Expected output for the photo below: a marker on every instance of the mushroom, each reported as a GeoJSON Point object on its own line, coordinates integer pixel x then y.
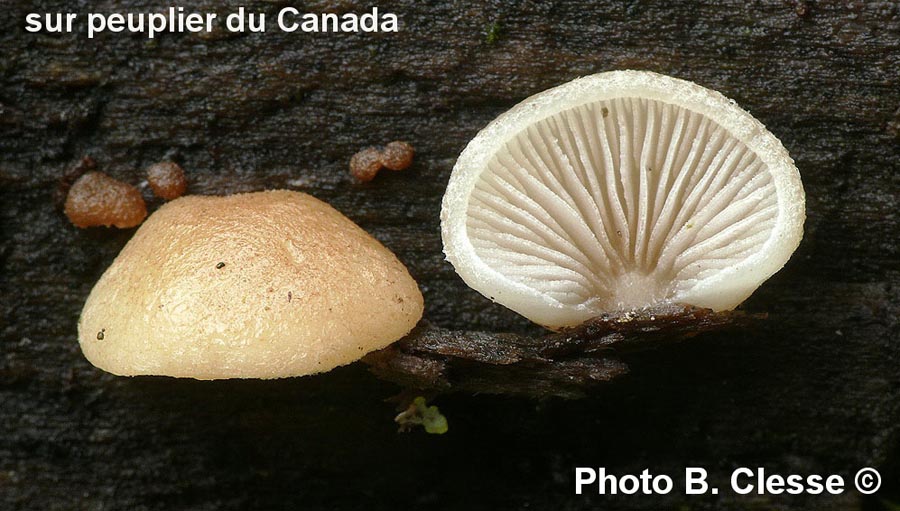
{"type": "Point", "coordinates": [397, 155]}
{"type": "Point", "coordinates": [167, 180]}
{"type": "Point", "coordinates": [618, 191]}
{"type": "Point", "coordinates": [256, 285]}
{"type": "Point", "coordinates": [366, 164]}
{"type": "Point", "coordinates": [96, 199]}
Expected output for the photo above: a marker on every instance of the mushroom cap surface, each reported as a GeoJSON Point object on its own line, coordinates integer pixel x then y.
{"type": "Point", "coordinates": [256, 285]}
{"type": "Point", "coordinates": [621, 190]}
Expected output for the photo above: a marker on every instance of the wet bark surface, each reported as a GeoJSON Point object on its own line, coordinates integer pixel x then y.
{"type": "Point", "coordinates": [565, 364]}
{"type": "Point", "coordinates": [812, 388]}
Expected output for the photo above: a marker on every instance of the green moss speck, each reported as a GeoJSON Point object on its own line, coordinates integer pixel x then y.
{"type": "Point", "coordinates": [420, 414]}
{"type": "Point", "coordinates": [494, 31]}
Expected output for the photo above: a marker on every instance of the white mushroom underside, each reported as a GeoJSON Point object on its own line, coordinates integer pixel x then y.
{"type": "Point", "coordinates": [620, 203]}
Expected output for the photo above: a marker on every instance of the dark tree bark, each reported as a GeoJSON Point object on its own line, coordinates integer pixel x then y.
{"type": "Point", "coordinates": [566, 364]}
{"type": "Point", "coordinates": [813, 388]}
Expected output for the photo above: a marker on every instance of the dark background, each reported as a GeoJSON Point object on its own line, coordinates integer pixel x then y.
{"type": "Point", "coordinates": [815, 388]}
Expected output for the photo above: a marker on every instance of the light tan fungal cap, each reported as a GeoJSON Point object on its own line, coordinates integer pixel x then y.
{"type": "Point", "coordinates": [167, 180]}
{"type": "Point", "coordinates": [96, 199]}
{"type": "Point", "coordinates": [256, 285]}
{"type": "Point", "coordinates": [617, 191]}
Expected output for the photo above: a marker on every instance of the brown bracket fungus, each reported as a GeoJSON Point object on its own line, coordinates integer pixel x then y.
{"type": "Point", "coordinates": [256, 285]}
{"type": "Point", "coordinates": [618, 191]}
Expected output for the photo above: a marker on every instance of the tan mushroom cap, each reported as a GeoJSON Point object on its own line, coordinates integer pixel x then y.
{"type": "Point", "coordinates": [257, 285]}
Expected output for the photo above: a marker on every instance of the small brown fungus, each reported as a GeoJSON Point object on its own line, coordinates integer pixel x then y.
{"type": "Point", "coordinates": [71, 175]}
{"type": "Point", "coordinates": [96, 199]}
{"type": "Point", "coordinates": [364, 165]}
{"type": "Point", "coordinates": [167, 180]}
{"type": "Point", "coordinates": [397, 155]}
